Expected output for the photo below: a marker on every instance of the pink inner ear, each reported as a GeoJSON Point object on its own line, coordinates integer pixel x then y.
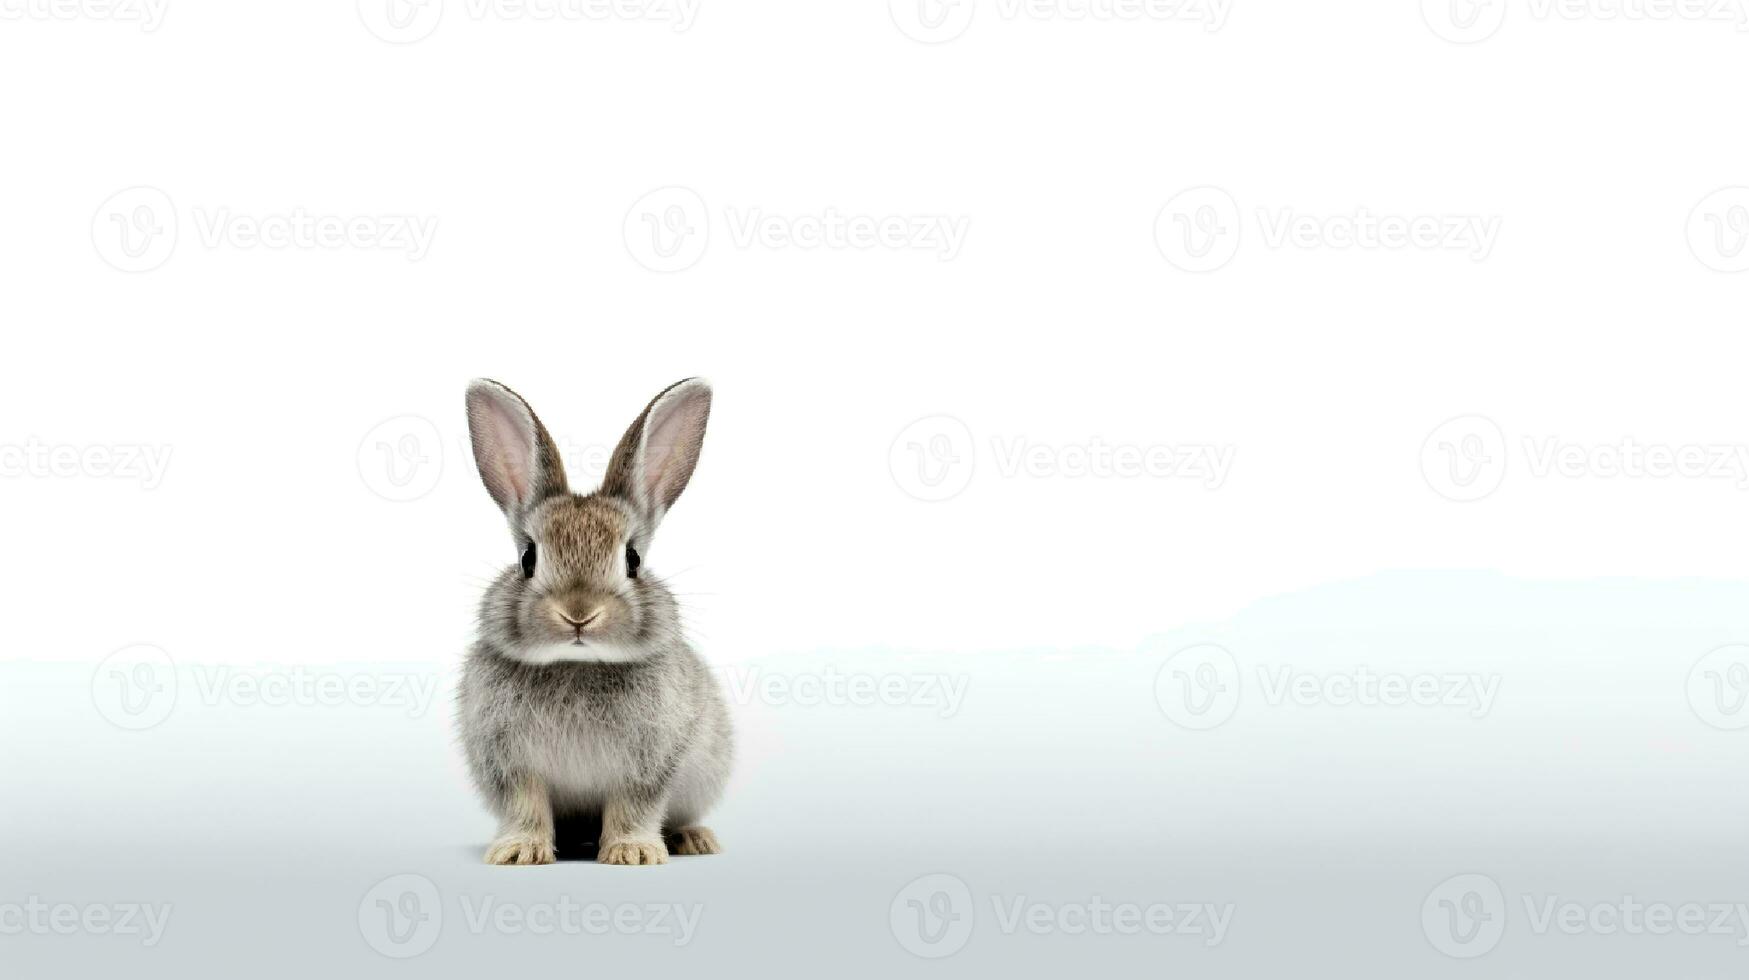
{"type": "Point", "coordinates": [676, 430]}
{"type": "Point", "coordinates": [507, 452]}
{"type": "Point", "coordinates": [656, 460]}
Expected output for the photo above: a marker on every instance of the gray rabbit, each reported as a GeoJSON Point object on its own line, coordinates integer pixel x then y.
{"type": "Point", "coordinates": [580, 701]}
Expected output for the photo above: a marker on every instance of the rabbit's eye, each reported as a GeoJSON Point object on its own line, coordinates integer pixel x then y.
{"type": "Point", "coordinates": [528, 561]}
{"type": "Point", "coordinates": [632, 561]}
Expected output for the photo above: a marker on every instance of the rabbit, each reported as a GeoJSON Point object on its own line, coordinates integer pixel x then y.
{"type": "Point", "coordinates": [580, 703]}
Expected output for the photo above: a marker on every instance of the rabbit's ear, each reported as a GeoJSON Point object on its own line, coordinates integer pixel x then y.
{"type": "Point", "coordinates": [655, 458]}
{"type": "Point", "coordinates": [518, 461]}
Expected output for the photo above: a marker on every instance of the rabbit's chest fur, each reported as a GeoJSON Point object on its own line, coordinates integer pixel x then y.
{"type": "Point", "coordinates": [585, 729]}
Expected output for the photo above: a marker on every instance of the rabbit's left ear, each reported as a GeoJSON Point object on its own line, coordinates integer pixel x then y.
{"type": "Point", "coordinates": [518, 460]}
{"type": "Point", "coordinates": [655, 458]}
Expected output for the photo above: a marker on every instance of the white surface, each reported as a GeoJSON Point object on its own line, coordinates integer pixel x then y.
{"type": "Point", "coordinates": [1316, 826]}
{"type": "Point", "coordinates": [1585, 335]}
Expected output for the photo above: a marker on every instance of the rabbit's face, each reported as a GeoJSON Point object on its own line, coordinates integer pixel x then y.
{"type": "Point", "coordinates": [580, 597]}
{"type": "Point", "coordinates": [578, 594]}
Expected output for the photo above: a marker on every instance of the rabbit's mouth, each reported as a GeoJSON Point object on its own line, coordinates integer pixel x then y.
{"type": "Point", "coordinates": [574, 651]}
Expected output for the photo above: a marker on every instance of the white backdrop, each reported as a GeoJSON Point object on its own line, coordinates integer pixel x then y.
{"type": "Point", "coordinates": [1042, 327]}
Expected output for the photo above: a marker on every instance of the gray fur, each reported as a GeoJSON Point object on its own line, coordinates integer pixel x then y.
{"type": "Point", "coordinates": [616, 721]}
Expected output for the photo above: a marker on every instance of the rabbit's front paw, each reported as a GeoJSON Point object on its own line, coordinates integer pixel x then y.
{"type": "Point", "coordinates": [521, 849]}
{"type": "Point", "coordinates": [695, 840]}
{"type": "Point", "coordinates": [633, 852]}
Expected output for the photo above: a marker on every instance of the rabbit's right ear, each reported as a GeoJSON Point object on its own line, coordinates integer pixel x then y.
{"type": "Point", "coordinates": [518, 460]}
